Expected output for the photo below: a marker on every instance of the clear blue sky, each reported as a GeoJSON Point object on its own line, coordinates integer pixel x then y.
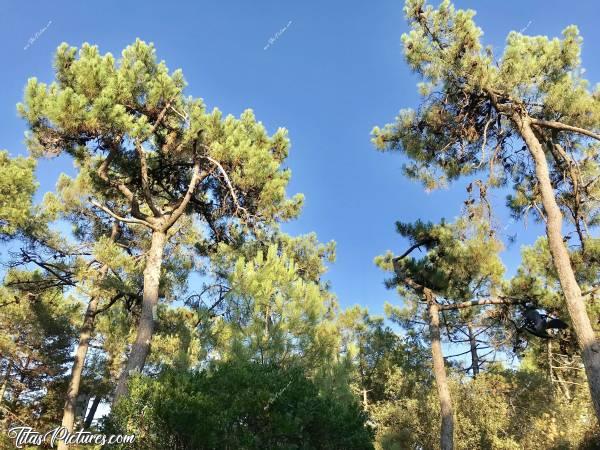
{"type": "Point", "coordinates": [334, 73]}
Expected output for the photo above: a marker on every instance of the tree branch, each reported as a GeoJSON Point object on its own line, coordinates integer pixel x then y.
{"type": "Point", "coordinates": [564, 127]}
{"type": "Point", "coordinates": [144, 175]}
{"type": "Point", "coordinates": [177, 212]}
{"type": "Point", "coordinates": [228, 182]}
{"type": "Point", "coordinates": [103, 174]}
{"type": "Point", "coordinates": [482, 302]}
{"type": "Point", "coordinates": [119, 218]}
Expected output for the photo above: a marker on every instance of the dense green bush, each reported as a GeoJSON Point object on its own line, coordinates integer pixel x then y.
{"type": "Point", "coordinates": [237, 406]}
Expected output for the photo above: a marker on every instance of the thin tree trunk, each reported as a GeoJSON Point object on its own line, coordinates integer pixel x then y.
{"type": "Point", "coordinates": [562, 263]}
{"type": "Point", "coordinates": [474, 355]}
{"type": "Point", "coordinates": [439, 372]}
{"type": "Point", "coordinates": [92, 412]}
{"type": "Point", "coordinates": [141, 347]}
{"type": "Point", "coordinates": [85, 335]}
{"type": "Point", "coordinates": [5, 382]}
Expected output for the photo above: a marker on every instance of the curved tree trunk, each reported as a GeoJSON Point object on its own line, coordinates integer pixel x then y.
{"type": "Point", "coordinates": [439, 372]}
{"type": "Point", "coordinates": [590, 348]}
{"type": "Point", "coordinates": [141, 347]}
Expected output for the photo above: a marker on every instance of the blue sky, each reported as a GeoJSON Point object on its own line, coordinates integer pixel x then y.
{"type": "Point", "coordinates": [329, 77]}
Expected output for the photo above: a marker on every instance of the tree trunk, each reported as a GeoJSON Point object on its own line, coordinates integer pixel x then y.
{"type": "Point", "coordinates": [562, 263]}
{"type": "Point", "coordinates": [5, 382]}
{"type": "Point", "coordinates": [439, 372]}
{"type": "Point", "coordinates": [141, 347]}
{"type": "Point", "coordinates": [92, 412]}
{"type": "Point", "coordinates": [85, 335]}
{"type": "Point", "coordinates": [474, 355]}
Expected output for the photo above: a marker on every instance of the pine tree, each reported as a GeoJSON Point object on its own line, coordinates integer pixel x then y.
{"type": "Point", "coordinates": [271, 305]}
{"type": "Point", "coordinates": [154, 156]}
{"type": "Point", "coordinates": [461, 269]}
{"type": "Point", "coordinates": [508, 116]}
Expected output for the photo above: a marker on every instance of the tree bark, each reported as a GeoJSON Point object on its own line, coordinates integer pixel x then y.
{"type": "Point", "coordinates": [92, 412]}
{"type": "Point", "coordinates": [85, 335]}
{"type": "Point", "coordinates": [439, 373]}
{"type": "Point", "coordinates": [141, 347]}
{"type": "Point", "coordinates": [590, 348]}
{"type": "Point", "coordinates": [474, 355]}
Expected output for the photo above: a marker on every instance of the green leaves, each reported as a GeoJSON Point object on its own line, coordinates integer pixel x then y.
{"type": "Point", "coordinates": [238, 405]}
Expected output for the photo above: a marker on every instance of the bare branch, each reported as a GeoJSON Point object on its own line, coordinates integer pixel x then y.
{"type": "Point", "coordinates": [119, 218]}
{"type": "Point", "coordinates": [564, 127]}
{"type": "Point", "coordinates": [145, 185]}
{"type": "Point", "coordinates": [103, 174]}
{"type": "Point", "coordinates": [482, 302]}
{"type": "Point", "coordinates": [229, 185]}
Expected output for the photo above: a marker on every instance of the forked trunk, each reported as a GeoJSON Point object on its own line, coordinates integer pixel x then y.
{"type": "Point", "coordinates": [439, 373]}
{"type": "Point", "coordinates": [141, 347]}
{"type": "Point", "coordinates": [590, 348]}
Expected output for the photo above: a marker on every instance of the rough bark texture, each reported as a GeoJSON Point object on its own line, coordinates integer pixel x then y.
{"type": "Point", "coordinates": [439, 372]}
{"type": "Point", "coordinates": [590, 348]}
{"type": "Point", "coordinates": [141, 347]}
{"type": "Point", "coordinates": [474, 355]}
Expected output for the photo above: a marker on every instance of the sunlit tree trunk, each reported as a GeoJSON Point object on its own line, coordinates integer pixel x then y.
{"type": "Point", "coordinates": [141, 347]}
{"type": "Point", "coordinates": [439, 373]}
{"type": "Point", "coordinates": [590, 348]}
{"type": "Point", "coordinates": [85, 335]}
{"type": "Point", "coordinates": [5, 382]}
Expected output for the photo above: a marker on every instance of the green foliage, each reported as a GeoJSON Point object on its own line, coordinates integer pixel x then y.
{"type": "Point", "coordinates": [131, 115]}
{"type": "Point", "coordinates": [17, 186]}
{"type": "Point", "coordinates": [273, 306]}
{"type": "Point", "coordinates": [464, 124]}
{"type": "Point", "coordinates": [500, 409]}
{"type": "Point", "coordinates": [462, 258]}
{"type": "Point", "coordinates": [241, 406]}
{"type": "Point", "coordinates": [35, 344]}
